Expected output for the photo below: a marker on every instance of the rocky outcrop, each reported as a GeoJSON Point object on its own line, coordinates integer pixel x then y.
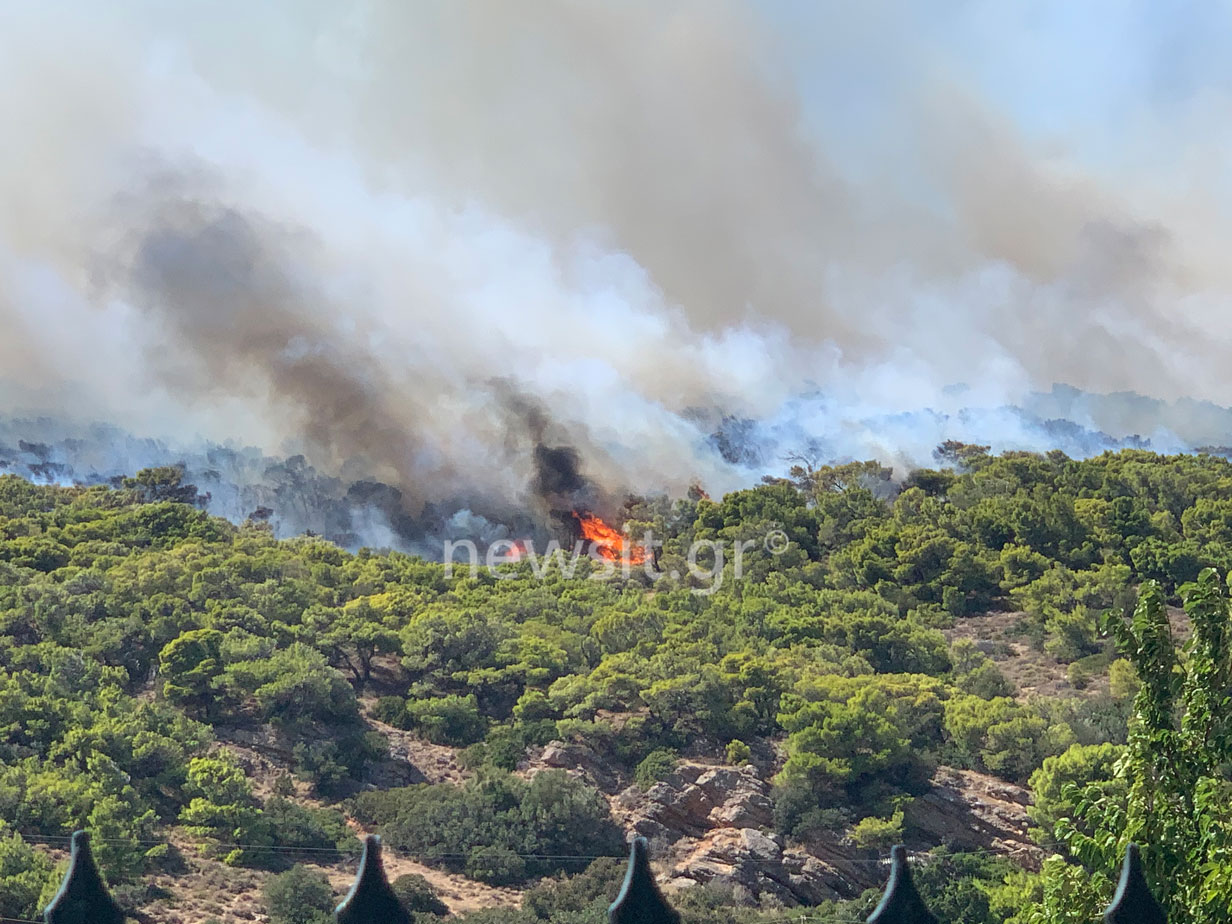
{"type": "Point", "coordinates": [578, 760]}
{"type": "Point", "coordinates": [411, 759]}
{"type": "Point", "coordinates": [696, 798]}
{"type": "Point", "coordinates": [715, 823]}
{"type": "Point", "coordinates": [759, 868]}
{"type": "Point", "coordinates": [965, 810]}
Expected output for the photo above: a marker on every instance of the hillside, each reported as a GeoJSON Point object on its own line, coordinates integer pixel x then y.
{"type": "Point", "coordinates": [887, 661]}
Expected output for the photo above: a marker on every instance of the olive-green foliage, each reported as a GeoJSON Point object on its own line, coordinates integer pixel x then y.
{"type": "Point", "coordinates": [1168, 789]}
{"type": "Point", "coordinates": [1123, 680]}
{"type": "Point", "coordinates": [190, 664]}
{"type": "Point", "coordinates": [738, 752]}
{"type": "Point", "coordinates": [224, 810]}
{"type": "Point", "coordinates": [801, 811]}
{"type": "Point", "coordinates": [417, 895]}
{"type": "Point", "coordinates": [332, 763]}
{"type": "Point", "coordinates": [861, 741]}
{"type": "Point", "coordinates": [506, 745]}
{"type": "Point", "coordinates": [299, 896]}
{"type": "Point", "coordinates": [497, 827]}
{"type": "Point", "coordinates": [1053, 784]}
{"type": "Point", "coordinates": [976, 673]}
{"type": "Point", "coordinates": [294, 825]}
{"type": "Point", "coordinates": [133, 625]}
{"type": "Point", "coordinates": [714, 903]}
{"type": "Point", "coordinates": [878, 832]}
{"type": "Point", "coordinates": [655, 766]}
{"type": "Point", "coordinates": [1002, 736]}
{"type": "Point", "coordinates": [24, 875]}
{"type": "Point", "coordinates": [591, 890]}
{"type": "Point", "coordinates": [960, 886]}
{"type": "Point", "coordinates": [448, 719]}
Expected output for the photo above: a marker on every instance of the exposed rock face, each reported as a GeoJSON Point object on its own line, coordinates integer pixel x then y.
{"type": "Point", "coordinates": [412, 760]}
{"type": "Point", "coordinates": [758, 866]}
{"type": "Point", "coordinates": [715, 823]}
{"type": "Point", "coordinates": [696, 798]}
{"type": "Point", "coordinates": [579, 760]}
{"type": "Point", "coordinates": [966, 810]}
{"type": "Point", "coordinates": [711, 823]}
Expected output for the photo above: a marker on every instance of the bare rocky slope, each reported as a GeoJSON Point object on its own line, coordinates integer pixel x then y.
{"type": "Point", "coordinates": [711, 822]}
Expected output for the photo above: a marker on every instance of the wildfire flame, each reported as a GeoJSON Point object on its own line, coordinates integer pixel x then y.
{"type": "Point", "coordinates": [608, 542]}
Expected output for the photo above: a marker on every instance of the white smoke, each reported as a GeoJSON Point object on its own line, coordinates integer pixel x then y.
{"type": "Point", "coordinates": [371, 232]}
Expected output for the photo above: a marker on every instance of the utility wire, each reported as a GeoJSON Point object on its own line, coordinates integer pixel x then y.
{"type": "Point", "coordinates": [915, 855]}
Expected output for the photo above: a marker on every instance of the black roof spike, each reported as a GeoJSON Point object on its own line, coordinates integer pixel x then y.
{"type": "Point", "coordinates": [82, 897]}
{"type": "Point", "coordinates": [1134, 902]}
{"type": "Point", "coordinates": [371, 900]}
{"type": "Point", "coordinates": [640, 901]}
{"type": "Point", "coordinates": [901, 903]}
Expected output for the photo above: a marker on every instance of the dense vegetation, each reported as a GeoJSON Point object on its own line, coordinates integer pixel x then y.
{"type": "Point", "coordinates": [137, 634]}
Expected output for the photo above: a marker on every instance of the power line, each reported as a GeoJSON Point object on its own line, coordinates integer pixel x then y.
{"type": "Point", "coordinates": [916, 855]}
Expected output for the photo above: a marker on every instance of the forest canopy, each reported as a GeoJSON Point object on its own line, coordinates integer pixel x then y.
{"type": "Point", "coordinates": [139, 637]}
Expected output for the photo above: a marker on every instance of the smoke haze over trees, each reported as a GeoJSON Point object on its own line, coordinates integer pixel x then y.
{"type": "Point", "coordinates": [375, 236]}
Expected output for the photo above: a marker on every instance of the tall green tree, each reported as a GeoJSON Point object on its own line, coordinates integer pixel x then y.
{"type": "Point", "coordinates": [1175, 770]}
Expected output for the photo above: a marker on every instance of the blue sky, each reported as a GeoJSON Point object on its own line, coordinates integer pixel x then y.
{"type": "Point", "coordinates": [1095, 80]}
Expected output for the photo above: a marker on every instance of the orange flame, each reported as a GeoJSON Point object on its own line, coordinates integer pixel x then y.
{"type": "Point", "coordinates": [608, 543]}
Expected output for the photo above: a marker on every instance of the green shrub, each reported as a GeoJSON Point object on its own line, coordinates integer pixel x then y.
{"type": "Point", "coordinates": [501, 750]}
{"type": "Point", "coordinates": [591, 890]}
{"type": "Point", "coordinates": [330, 764]}
{"type": "Point", "coordinates": [1070, 635]}
{"type": "Point", "coordinates": [861, 741]}
{"type": "Point", "coordinates": [975, 672]}
{"type": "Point", "coordinates": [1078, 675]}
{"type": "Point", "coordinates": [417, 895]}
{"type": "Point", "coordinates": [985, 681]}
{"type": "Point", "coordinates": [299, 896]}
{"type": "Point", "coordinates": [656, 766]}
{"type": "Point", "coordinates": [505, 747]}
{"type": "Point", "coordinates": [958, 886]}
{"type": "Point", "coordinates": [224, 810]}
{"type": "Point", "coordinates": [392, 711]}
{"type": "Point", "coordinates": [1123, 680]}
{"type": "Point", "coordinates": [1002, 736]}
{"type": "Point", "coordinates": [295, 825]}
{"type": "Point", "coordinates": [878, 832]}
{"type": "Point", "coordinates": [483, 825]}
{"type": "Point", "coordinates": [24, 874]}
{"type": "Point", "coordinates": [1080, 765]}
{"type": "Point", "coordinates": [532, 706]}
{"type": "Point", "coordinates": [798, 813]}
{"type": "Point", "coordinates": [716, 902]}
{"type": "Point", "coordinates": [497, 864]}
{"type": "Point", "coordinates": [452, 720]}
{"type": "Point", "coordinates": [738, 752]}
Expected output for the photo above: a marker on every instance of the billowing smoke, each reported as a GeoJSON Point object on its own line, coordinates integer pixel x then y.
{"type": "Point", "coordinates": [472, 260]}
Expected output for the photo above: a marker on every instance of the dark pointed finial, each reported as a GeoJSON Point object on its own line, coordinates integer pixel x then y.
{"type": "Point", "coordinates": [371, 900]}
{"type": "Point", "coordinates": [83, 897]}
{"type": "Point", "coordinates": [901, 903]}
{"type": "Point", "coordinates": [640, 901]}
{"type": "Point", "coordinates": [1133, 902]}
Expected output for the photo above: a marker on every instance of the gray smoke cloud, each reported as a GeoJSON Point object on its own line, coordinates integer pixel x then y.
{"type": "Point", "coordinates": [377, 234]}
